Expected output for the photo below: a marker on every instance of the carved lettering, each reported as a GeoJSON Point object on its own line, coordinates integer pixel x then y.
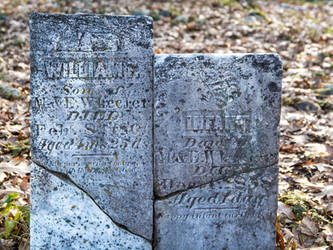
{"type": "Point", "coordinates": [227, 199]}
{"type": "Point", "coordinates": [224, 216]}
{"type": "Point", "coordinates": [198, 123]}
{"type": "Point", "coordinates": [92, 68]}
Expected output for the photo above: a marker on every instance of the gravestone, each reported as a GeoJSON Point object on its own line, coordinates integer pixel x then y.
{"type": "Point", "coordinates": [214, 151]}
{"type": "Point", "coordinates": [91, 106]}
{"type": "Point", "coordinates": [216, 143]}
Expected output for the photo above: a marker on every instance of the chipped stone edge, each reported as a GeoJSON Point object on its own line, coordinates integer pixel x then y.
{"type": "Point", "coordinates": [159, 58]}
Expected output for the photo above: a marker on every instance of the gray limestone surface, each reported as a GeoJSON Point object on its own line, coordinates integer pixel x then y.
{"type": "Point", "coordinates": [216, 142]}
{"type": "Point", "coordinates": [91, 106]}
{"type": "Point", "coordinates": [64, 217]}
{"type": "Point", "coordinates": [236, 213]}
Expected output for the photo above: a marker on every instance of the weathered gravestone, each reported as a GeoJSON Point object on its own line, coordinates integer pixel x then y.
{"type": "Point", "coordinates": [91, 106]}
{"type": "Point", "coordinates": [216, 142]}
{"type": "Point", "coordinates": [216, 134]}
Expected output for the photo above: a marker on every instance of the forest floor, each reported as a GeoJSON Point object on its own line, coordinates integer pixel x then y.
{"type": "Point", "coordinates": [301, 33]}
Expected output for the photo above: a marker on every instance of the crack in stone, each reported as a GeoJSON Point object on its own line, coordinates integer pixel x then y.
{"type": "Point", "coordinates": [165, 197]}
{"type": "Point", "coordinates": [68, 180]}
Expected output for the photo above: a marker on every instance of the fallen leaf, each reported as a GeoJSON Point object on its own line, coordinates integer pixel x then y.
{"type": "Point", "coordinates": [24, 184]}
{"type": "Point", "coordinates": [18, 159]}
{"type": "Point", "coordinates": [288, 148]}
{"type": "Point", "coordinates": [14, 181]}
{"type": "Point", "coordinates": [284, 209]}
{"type": "Point", "coordinates": [308, 227]}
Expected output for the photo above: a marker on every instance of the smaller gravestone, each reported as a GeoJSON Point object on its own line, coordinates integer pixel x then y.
{"type": "Point", "coordinates": [216, 143]}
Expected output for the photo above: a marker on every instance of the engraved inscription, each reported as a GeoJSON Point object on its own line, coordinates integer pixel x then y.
{"type": "Point", "coordinates": [87, 108]}
{"type": "Point", "coordinates": [94, 114]}
{"type": "Point", "coordinates": [91, 78]}
{"type": "Point", "coordinates": [228, 199]}
{"type": "Point", "coordinates": [225, 216]}
{"type": "Point", "coordinates": [94, 102]}
{"type": "Point", "coordinates": [204, 122]}
{"type": "Point", "coordinates": [92, 68]}
{"type": "Point", "coordinates": [99, 41]}
{"type": "Point", "coordinates": [89, 41]}
{"type": "Point", "coordinates": [215, 151]}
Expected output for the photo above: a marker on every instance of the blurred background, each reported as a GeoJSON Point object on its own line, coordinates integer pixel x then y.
{"type": "Point", "coordinates": [301, 32]}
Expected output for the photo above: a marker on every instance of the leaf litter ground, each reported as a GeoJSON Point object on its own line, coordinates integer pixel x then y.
{"type": "Point", "coordinates": [300, 32]}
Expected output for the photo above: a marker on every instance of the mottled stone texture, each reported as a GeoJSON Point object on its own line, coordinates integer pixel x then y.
{"type": "Point", "coordinates": [238, 213]}
{"type": "Point", "coordinates": [91, 106]}
{"type": "Point", "coordinates": [216, 142]}
{"type": "Point", "coordinates": [64, 217]}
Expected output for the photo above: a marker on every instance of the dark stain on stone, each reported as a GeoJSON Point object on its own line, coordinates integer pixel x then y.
{"type": "Point", "coordinates": [274, 87]}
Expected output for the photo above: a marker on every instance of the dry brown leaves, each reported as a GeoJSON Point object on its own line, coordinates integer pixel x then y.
{"type": "Point", "coordinates": [301, 34]}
